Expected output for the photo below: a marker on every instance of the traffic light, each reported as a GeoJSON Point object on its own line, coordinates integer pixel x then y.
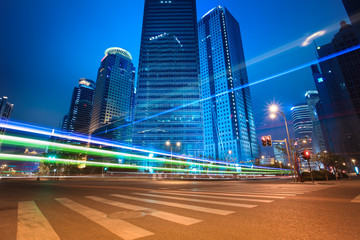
{"type": "Point", "coordinates": [105, 169]}
{"type": "Point", "coordinates": [306, 155]}
{"type": "Point", "coordinates": [263, 139]}
{"type": "Point", "coordinates": [268, 141]}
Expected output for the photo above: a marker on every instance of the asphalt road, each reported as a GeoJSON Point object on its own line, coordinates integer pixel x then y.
{"type": "Point", "coordinates": [147, 209]}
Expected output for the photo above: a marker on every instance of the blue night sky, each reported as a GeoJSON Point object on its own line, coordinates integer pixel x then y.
{"type": "Point", "coordinates": [46, 46]}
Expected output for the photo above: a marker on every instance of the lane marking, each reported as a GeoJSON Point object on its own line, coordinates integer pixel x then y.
{"type": "Point", "coordinates": [265, 192]}
{"type": "Point", "coordinates": [179, 205]}
{"type": "Point", "coordinates": [200, 200]}
{"type": "Point", "coordinates": [119, 227]}
{"type": "Point", "coordinates": [216, 197]}
{"type": "Point", "coordinates": [32, 224]}
{"type": "Point", "coordinates": [234, 194]}
{"type": "Point", "coordinates": [356, 199]}
{"type": "Point", "coordinates": [153, 212]}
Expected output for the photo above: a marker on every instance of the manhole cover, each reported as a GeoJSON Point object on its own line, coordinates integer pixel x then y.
{"type": "Point", "coordinates": [129, 214]}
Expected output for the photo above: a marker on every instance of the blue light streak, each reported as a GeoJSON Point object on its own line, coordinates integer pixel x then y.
{"type": "Point", "coordinates": [291, 70]}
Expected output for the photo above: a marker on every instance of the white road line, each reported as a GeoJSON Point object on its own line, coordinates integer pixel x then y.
{"type": "Point", "coordinates": [240, 195]}
{"type": "Point", "coordinates": [356, 199]}
{"type": "Point", "coordinates": [200, 200]}
{"type": "Point", "coordinates": [179, 205]}
{"type": "Point", "coordinates": [268, 192]}
{"type": "Point", "coordinates": [216, 197]}
{"type": "Point", "coordinates": [153, 212]}
{"type": "Point", "coordinates": [32, 224]}
{"type": "Point", "coordinates": [119, 227]}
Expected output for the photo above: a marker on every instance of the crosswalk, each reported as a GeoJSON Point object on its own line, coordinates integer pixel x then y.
{"type": "Point", "coordinates": [184, 208]}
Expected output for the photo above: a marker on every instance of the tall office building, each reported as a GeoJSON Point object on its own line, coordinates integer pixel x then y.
{"type": "Point", "coordinates": [301, 118]}
{"type": "Point", "coordinates": [312, 99]}
{"type": "Point", "coordinates": [228, 119]}
{"type": "Point", "coordinates": [114, 92]}
{"type": "Point", "coordinates": [168, 78]}
{"type": "Point", "coordinates": [338, 85]}
{"type": "Point", "coordinates": [6, 109]}
{"type": "Point", "coordinates": [79, 116]}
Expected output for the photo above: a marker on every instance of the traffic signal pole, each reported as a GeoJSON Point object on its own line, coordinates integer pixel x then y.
{"type": "Point", "coordinates": [287, 132]}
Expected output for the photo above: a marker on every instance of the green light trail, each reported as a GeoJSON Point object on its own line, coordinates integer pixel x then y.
{"type": "Point", "coordinates": [26, 142]}
{"type": "Point", "coordinates": [25, 158]}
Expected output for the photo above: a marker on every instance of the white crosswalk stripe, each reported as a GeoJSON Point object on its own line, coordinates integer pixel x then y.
{"type": "Point", "coordinates": [153, 212]}
{"type": "Point", "coordinates": [217, 197]}
{"type": "Point", "coordinates": [119, 227]}
{"type": "Point", "coordinates": [199, 200]}
{"type": "Point", "coordinates": [32, 224]}
{"type": "Point", "coordinates": [239, 195]}
{"type": "Point", "coordinates": [356, 199]}
{"type": "Point", "coordinates": [179, 205]}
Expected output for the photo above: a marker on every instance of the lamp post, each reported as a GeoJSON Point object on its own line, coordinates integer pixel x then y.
{"type": "Point", "coordinates": [168, 143]}
{"type": "Point", "coordinates": [274, 109]}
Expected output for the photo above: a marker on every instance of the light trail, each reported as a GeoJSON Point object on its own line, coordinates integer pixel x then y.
{"type": "Point", "coordinates": [83, 138]}
{"type": "Point", "coordinates": [99, 152]}
{"type": "Point", "coordinates": [246, 85]}
{"type": "Point", "coordinates": [24, 158]}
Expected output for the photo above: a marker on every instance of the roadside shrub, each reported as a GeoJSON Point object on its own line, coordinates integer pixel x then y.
{"type": "Point", "coordinates": [317, 175]}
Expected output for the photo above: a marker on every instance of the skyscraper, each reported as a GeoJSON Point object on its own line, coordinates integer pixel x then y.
{"type": "Point", "coordinates": [6, 109]}
{"type": "Point", "coordinates": [228, 120]}
{"type": "Point", "coordinates": [312, 99]}
{"type": "Point", "coordinates": [168, 78]}
{"type": "Point", "coordinates": [114, 92]}
{"type": "Point", "coordinates": [79, 116]}
{"type": "Point", "coordinates": [301, 118]}
{"type": "Point", "coordinates": [338, 87]}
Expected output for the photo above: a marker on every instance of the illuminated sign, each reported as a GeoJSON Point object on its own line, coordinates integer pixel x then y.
{"type": "Point", "coordinates": [320, 79]}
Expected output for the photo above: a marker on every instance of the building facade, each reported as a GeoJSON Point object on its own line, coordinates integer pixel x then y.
{"type": "Point", "coordinates": [318, 143]}
{"type": "Point", "coordinates": [279, 154]}
{"type": "Point", "coordinates": [302, 123]}
{"type": "Point", "coordinates": [79, 116]}
{"type": "Point", "coordinates": [228, 119]}
{"type": "Point", "coordinates": [168, 78]}
{"type": "Point", "coordinates": [114, 92]}
{"type": "Point", "coordinates": [338, 86]}
{"type": "Point", "coordinates": [6, 109]}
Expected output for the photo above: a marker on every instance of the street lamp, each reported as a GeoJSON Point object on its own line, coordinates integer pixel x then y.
{"type": "Point", "coordinates": [168, 143]}
{"type": "Point", "coordinates": [274, 110]}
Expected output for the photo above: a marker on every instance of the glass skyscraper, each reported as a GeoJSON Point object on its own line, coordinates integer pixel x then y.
{"type": "Point", "coordinates": [229, 128]}
{"type": "Point", "coordinates": [114, 92]}
{"type": "Point", "coordinates": [302, 121]}
{"type": "Point", "coordinates": [79, 116]}
{"type": "Point", "coordinates": [168, 78]}
{"type": "Point", "coordinates": [6, 109]}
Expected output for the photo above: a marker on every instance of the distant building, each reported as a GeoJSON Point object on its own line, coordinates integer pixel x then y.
{"type": "Point", "coordinates": [168, 78]}
{"type": "Point", "coordinates": [338, 85]}
{"type": "Point", "coordinates": [280, 156]}
{"type": "Point", "coordinates": [318, 143]}
{"type": "Point", "coordinates": [228, 119]}
{"type": "Point", "coordinates": [267, 161]}
{"type": "Point", "coordinates": [79, 116]}
{"type": "Point", "coordinates": [64, 123]}
{"type": "Point", "coordinates": [301, 118]}
{"type": "Point", "coordinates": [6, 109]}
{"type": "Point", "coordinates": [114, 92]}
